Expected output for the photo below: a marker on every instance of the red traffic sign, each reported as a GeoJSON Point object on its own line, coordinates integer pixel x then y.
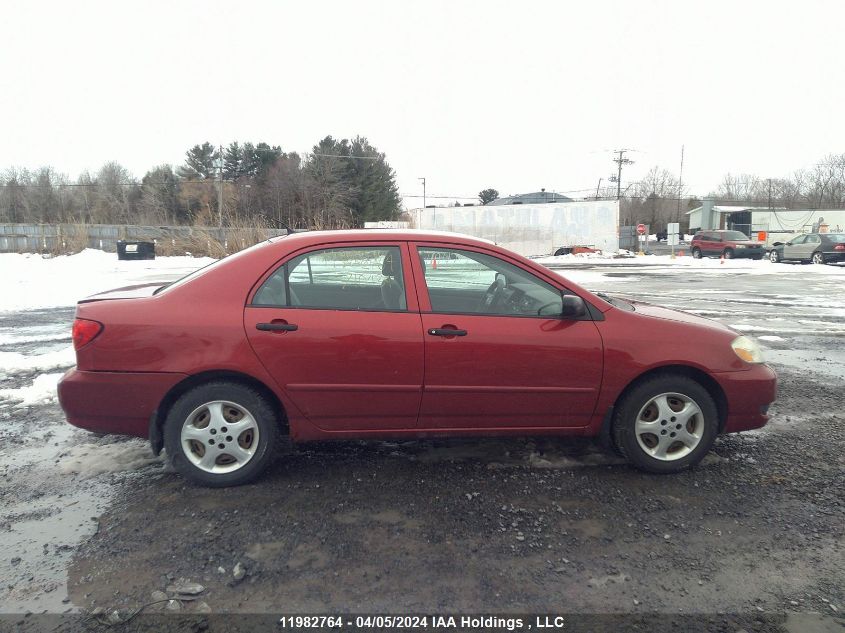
{"type": "Point", "coordinates": [641, 229]}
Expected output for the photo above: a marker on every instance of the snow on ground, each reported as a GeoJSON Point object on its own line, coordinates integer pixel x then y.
{"type": "Point", "coordinates": [106, 456]}
{"type": "Point", "coordinates": [32, 281]}
{"type": "Point", "coordinates": [685, 262]}
{"type": "Point", "coordinates": [15, 363]}
{"type": "Point", "coordinates": [41, 391]}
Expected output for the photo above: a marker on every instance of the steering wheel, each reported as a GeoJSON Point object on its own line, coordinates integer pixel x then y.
{"type": "Point", "coordinates": [493, 295]}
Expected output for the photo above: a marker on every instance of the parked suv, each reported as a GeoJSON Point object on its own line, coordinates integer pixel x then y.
{"type": "Point", "coordinates": [729, 244]}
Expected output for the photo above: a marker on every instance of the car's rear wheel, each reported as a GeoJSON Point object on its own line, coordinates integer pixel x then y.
{"type": "Point", "coordinates": [666, 424]}
{"type": "Point", "coordinates": [696, 253]}
{"type": "Point", "coordinates": [221, 434]}
{"type": "Point", "coordinates": [818, 258]}
{"type": "Point", "coordinates": [774, 256]}
{"type": "Point", "coordinates": [728, 253]}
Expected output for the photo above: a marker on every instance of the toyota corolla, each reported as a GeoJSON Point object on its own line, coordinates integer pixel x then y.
{"type": "Point", "coordinates": [363, 334]}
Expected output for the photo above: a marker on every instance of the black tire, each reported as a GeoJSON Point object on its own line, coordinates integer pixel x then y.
{"type": "Point", "coordinates": [638, 397]}
{"type": "Point", "coordinates": [774, 256]}
{"type": "Point", "coordinates": [728, 253]}
{"type": "Point", "coordinates": [250, 400]}
{"type": "Point", "coordinates": [696, 253]}
{"type": "Point", "coordinates": [818, 258]}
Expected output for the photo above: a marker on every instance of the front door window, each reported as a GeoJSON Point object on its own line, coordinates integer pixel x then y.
{"type": "Point", "coordinates": [467, 282]}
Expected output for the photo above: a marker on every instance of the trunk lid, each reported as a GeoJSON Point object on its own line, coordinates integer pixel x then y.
{"type": "Point", "coordinates": [139, 291]}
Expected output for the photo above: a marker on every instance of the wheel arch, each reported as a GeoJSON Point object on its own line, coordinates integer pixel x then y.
{"type": "Point", "coordinates": [702, 377]}
{"type": "Point", "coordinates": [182, 387]}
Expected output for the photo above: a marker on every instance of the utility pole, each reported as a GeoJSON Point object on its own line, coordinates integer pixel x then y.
{"type": "Point", "coordinates": [620, 160]}
{"type": "Point", "coordinates": [680, 184]}
{"type": "Point", "coordinates": [423, 207]}
{"type": "Point", "coordinates": [220, 189]}
{"type": "Point", "coordinates": [598, 186]}
{"type": "Point", "coordinates": [770, 193]}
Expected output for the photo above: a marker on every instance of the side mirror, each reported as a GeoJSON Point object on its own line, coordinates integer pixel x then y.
{"type": "Point", "coordinates": [573, 307]}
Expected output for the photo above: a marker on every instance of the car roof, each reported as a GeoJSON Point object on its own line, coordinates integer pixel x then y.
{"type": "Point", "coordinates": [370, 235]}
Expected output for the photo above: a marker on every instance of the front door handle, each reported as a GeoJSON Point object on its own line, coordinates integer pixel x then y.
{"type": "Point", "coordinates": [277, 327]}
{"type": "Point", "coordinates": [446, 331]}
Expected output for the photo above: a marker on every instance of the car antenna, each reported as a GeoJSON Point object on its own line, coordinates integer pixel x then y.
{"type": "Point", "coordinates": [281, 225]}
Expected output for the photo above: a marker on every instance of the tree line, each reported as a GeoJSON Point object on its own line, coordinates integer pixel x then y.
{"type": "Point", "coordinates": [660, 197]}
{"type": "Point", "coordinates": [342, 183]}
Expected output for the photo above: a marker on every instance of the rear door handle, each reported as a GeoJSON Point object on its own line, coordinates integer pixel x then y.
{"type": "Point", "coordinates": [440, 331]}
{"type": "Point", "coordinates": [277, 327]}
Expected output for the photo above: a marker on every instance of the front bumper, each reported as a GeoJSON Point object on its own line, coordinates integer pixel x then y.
{"type": "Point", "coordinates": [748, 253]}
{"type": "Point", "coordinates": [113, 402]}
{"type": "Point", "coordinates": [748, 394]}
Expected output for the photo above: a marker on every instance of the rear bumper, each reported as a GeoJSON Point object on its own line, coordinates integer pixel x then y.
{"type": "Point", "coordinates": [749, 394]}
{"type": "Point", "coordinates": [832, 257]}
{"type": "Point", "coordinates": [113, 402]}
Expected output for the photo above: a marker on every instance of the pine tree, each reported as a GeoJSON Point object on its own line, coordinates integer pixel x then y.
{"type": "Point", "coordinates": [199, 162]}
{"type": "Point", "coordinates": [233, 162]}
{"type": "Point", "coordinates": [487, 195]}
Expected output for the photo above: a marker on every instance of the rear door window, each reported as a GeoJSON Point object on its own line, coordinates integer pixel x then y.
{"type": "Point", "coordinates": [345, 278]}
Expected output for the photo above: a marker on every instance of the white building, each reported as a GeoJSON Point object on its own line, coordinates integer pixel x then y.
{"type": "Point", "coordinates": [778, 224]}
{"type": "Point", "coordinates": [531, 229]}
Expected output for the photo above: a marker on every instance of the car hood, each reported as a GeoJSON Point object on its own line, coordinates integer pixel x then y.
{"type": "Point", "coordinates": [659, 312]}
{"type": "Point", "coordinates": [127, 292]}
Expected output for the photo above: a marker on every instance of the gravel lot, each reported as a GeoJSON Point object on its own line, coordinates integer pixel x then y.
{"type": "Point", "coordinates": [752, 539]}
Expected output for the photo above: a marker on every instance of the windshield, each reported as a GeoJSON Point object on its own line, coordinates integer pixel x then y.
{"type": "Point", "coordinates": [736, 236]}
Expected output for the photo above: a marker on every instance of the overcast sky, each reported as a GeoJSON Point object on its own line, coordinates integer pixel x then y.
{"type": "Point", "coordinates": [511, 95]}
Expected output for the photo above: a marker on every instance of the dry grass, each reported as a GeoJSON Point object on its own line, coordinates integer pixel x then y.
{"type": "Point", "coordinates": [200, 241]}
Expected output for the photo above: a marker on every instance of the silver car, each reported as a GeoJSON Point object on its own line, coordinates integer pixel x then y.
{"type": "Point", "coordinates": [819, 248]}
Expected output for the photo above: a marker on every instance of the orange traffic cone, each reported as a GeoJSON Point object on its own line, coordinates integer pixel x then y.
{"type": "Point", "coordinates": [681, 253]}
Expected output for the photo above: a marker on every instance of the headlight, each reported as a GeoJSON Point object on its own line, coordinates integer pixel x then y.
{"type": "Point", "coordinates": [747, 349]}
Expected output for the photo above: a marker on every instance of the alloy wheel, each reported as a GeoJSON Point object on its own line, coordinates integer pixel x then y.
{"type": "Point", "coordinates": [219, 437]}
{"type": "Point", "coordinates": [669, 426]}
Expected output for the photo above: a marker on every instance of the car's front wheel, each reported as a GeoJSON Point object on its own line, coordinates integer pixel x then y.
{"type": "Point", "coordinates": [221, 434]}
{"type": "Point", "coordinates": [665, 424]}
{"type": "Point", "coordinates": [774, 256]}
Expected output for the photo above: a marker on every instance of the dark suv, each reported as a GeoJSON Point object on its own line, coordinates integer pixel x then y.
{"type": "Point", "coordinates": [729, 244]}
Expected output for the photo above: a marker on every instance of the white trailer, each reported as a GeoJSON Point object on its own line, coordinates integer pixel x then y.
{"type": "Point", "coordinates": [531, 229]}
{"type": "Point", "coordinates": [782, 224]}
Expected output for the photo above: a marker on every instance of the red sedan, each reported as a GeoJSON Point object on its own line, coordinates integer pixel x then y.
{"type": "Point", "coordinates": [375, 334]}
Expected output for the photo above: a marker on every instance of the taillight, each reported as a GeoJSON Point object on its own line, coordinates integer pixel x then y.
{"type": "Point", "coordinates": [839, 247]}
{"type": "Point", "coordinates": [84, 331]}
